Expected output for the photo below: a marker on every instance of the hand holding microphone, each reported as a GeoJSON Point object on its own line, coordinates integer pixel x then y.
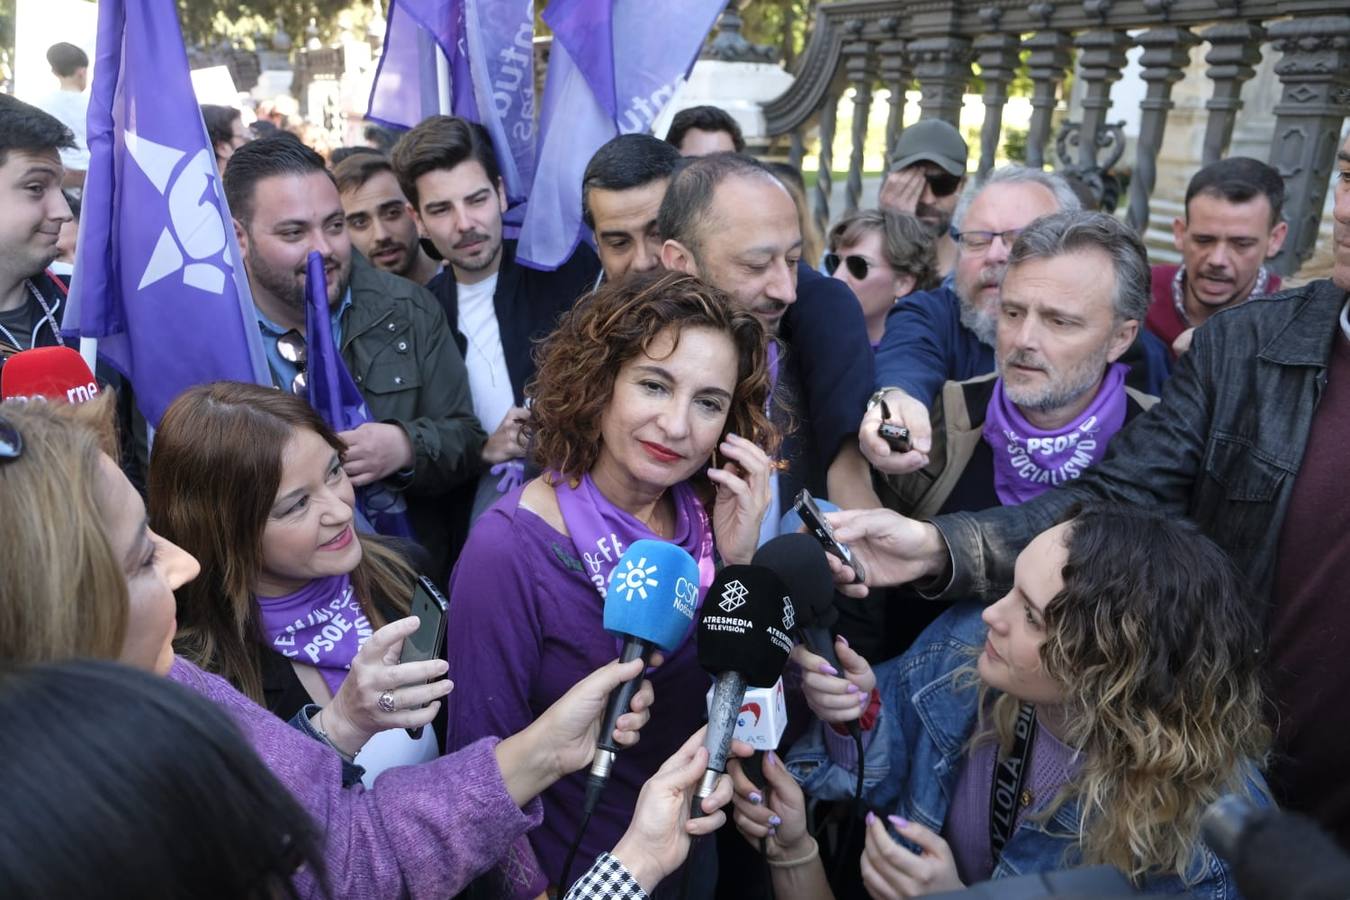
{"type": "Point", "coordinates": [649, 603]}
{"type": "Point", "coordinates": [742, 641]}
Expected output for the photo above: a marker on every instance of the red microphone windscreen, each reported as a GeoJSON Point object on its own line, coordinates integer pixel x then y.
{"type": "Point", "coordinates": [53, 373]}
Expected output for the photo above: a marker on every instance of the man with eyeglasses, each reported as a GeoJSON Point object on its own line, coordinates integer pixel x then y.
{"type": "Point", "coordinates": [949, 334]}
{"type": "Point", "coordinates": [423, 438]}
{"type": "Point", "coordinates": [925, 181]}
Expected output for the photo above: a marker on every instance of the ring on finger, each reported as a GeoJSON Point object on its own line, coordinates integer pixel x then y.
{"type": "Point", "coordinates": [387, 703]}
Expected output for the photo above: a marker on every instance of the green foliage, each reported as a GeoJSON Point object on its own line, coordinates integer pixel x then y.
{"type": "Point", "coordinates": [209, 21]}
{"type": "Point", "coordinates": [784, 24]}
{"type": "Point", "coordinates": [1015, 143]}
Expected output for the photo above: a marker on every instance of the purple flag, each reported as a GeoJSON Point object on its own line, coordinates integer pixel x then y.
{"type": "Point", "coordinates": [335, 397]}
{"type": "Point", "coordinates": [159, 281]}
{"type": "Point", "coordinates": [649, 48]}
{"type": "Point", "coordinates": [488, 50]}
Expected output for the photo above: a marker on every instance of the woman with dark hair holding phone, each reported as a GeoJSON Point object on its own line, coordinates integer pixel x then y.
{"type": "Point", "coordinates": [121, 784]}
{"type": "Point", "coordinates": [83, 575]}
{"type": "Point", "coordinates": [648, 422]}
{"type": "Point", "coordinates": [1110, 696]}
{"type": "Point", "coordinates": [294, 607]}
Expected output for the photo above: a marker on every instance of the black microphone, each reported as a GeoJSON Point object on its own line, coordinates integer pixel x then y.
{"type": "Point", "coordinates": [742, 641]}
{"type": "Point", "coordinates": [799, 561]}
{"type": "Point", "coordinates": [1275, 854]}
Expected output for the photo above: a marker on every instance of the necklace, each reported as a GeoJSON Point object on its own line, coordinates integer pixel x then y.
{"type": "Point", "coordinates": [1259, 288]}
{"type": "Point", "coordinates": [46, 314]}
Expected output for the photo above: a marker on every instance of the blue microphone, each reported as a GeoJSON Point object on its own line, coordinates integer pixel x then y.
{"type": "Point", "coordinates": [650, 602]}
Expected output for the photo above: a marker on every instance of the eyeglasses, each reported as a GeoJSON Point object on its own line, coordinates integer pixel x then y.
{"type": "Point", "coordinates": [856, 265]}
{"type": "Point", "coordinates": [942, 184]}
{"type": "Point", "coordinates": [979, 241]}
{"type": "Point", "coordinates": [291, 347]}
{"type": "Point", "coordinates": [11, 442]}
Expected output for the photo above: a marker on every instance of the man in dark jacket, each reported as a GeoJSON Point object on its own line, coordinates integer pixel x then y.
{"type": "Point", "coordinates": [424, 439]}
{"type": "Point", "coordinates": [1249, 441]}
{"type": "Point", "coordinates": [497, 309]}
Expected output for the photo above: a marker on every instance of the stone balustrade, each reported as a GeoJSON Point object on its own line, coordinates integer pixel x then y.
{"type": "Point", "coordinates": [863, 44]}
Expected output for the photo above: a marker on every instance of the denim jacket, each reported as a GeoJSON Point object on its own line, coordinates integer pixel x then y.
{"type": "Point", "coordinates": [929, 713]}
{"type": "Point", "coordinates": [1222, 446]}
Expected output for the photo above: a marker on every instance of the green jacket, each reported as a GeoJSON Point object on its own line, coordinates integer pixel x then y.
{"type": "Point", "coordinates": [399, 350]}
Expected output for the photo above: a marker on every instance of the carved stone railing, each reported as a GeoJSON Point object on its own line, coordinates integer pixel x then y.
{"type": "Point", "coordinates": [863, 44]}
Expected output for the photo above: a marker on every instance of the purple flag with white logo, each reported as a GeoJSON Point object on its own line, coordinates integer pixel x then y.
{"type": "Point", "coordinates": [158, 281]}
{"type": "Point", "coordinates": [335, 397]}
{"type": "Point", "coordinates": [488, 49]}
{"type": "Point", "coordinates": [614, 66]}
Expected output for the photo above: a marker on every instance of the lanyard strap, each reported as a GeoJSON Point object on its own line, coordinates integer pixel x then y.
{"type": "Point", "coordinates": [1009, 776]}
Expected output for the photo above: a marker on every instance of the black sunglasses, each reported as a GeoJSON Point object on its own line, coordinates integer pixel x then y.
{"type": "Point", "coordinates": [942, 184]}
{"type": "Point", "coordinates": [856, 265]}
{"type": "Point", "coordinates": [291, 347]}
{"type": "Point", "coordinates": [11, 442]}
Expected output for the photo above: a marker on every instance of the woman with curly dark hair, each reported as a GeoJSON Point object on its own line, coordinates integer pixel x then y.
{"type": "Point", "coordinates": [1088, 717]}
{"type": "Point", "coordinates": [647, 419]}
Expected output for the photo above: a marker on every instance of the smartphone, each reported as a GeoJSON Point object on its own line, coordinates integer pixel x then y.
{"type": "Point", "coordinates": [428, 641]}
{"type": "Point", "coordinates": [806, 508]}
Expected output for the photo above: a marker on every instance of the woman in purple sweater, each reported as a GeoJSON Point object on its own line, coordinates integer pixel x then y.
{"type": "Point", "coordinates": [644, 384]}
{"type": "Point", "coordinates": [81, 575]}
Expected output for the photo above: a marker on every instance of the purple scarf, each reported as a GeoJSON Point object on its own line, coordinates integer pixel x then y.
{"type": "Point", "coordinates": [1028, 462]}
{"type": "Point", "coordinates": [601, 531]}
{"type": "Point", "coordinates": [321, 624]}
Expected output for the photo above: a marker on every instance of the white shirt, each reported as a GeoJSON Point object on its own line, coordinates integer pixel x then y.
{"type": "Point", "coordinates": [485, 358]}
{"type": "Point", "coordinates": [72, 108]}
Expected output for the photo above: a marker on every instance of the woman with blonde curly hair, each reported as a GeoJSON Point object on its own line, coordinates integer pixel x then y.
{"type": "Point", "coordinates": [1114, 694]}
{"type": "Point", "coordinates": [647, 419]}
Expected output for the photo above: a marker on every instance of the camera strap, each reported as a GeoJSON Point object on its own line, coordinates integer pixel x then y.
{"type": "Point", "coordinates": [1009, 775]}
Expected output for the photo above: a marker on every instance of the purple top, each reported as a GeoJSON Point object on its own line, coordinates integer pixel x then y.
{"type": "Point", "coordinates": [525, 625]}
{"type": "Point", "coordinates": [421, 831]}
{"type": "Point", "coordinates": [1050, 767]}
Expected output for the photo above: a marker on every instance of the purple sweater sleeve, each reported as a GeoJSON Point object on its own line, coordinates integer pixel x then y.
{"type": "Point", "coordinates": [421, 831]}
{"type": "Point", "coordinates": [494, 643]}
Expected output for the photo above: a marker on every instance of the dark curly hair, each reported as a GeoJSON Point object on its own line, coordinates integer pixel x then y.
{"type": "Point", "coordinates": [577, 366]}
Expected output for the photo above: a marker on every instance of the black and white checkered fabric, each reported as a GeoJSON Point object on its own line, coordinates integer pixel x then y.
{"type": "Point", "coordinates": [607, 879]}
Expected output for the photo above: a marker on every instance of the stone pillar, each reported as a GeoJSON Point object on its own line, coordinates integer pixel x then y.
{"type": "Point", "coordinates": [942, 66]}
{"type": "Point", "coordinates": [829, 113]}
{"type": "Point", "coordinates": [1235, 47]}
{"type": "Point", "coordinates": [997, 56]}
{"type": "Point", "coordinates": [861, 68]}
{"type": "Point", "coordinates": [1100, 61]}
{"type": "Point", "coordinates": [896, 75]}
{"type": "Point", "coordinates": [1047, 63]}
{"type": "Point", "coordinates": [1166, 55]}
{"type": "Point", "coordinates": [1315, 99]}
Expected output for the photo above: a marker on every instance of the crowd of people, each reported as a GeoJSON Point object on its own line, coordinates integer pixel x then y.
{"type": "Point", "coordinates": [1100, 560]}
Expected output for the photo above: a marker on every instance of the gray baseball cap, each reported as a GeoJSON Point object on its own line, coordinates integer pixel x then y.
{"type": "Point", "coordinates": [931, 140]}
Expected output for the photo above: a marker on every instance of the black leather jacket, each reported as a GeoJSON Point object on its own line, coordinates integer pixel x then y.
{"type": "Point", "coordinates": [1222, 447]}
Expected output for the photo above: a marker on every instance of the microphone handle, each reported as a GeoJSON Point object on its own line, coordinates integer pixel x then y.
{"type": "Point", "coordinates": [726, 708]}
{"type": "Point", "coordinates": [821, 642]}
{"type": "Point", "coordinates": [621, 698]}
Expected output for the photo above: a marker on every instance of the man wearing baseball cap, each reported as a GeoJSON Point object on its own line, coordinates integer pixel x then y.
{"type": "Point", "coordinates": [926, 179]}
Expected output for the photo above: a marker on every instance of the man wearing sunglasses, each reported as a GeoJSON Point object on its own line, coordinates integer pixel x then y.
{"type": "Point", "coordinates": [925, 181]}
{"type": "Point", "coordinates": [949, 334]}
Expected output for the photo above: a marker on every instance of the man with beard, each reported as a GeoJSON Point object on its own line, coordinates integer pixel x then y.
{"type": "Point", "coordinates": [948, 334]}
{"type": "Point", "coordinates": [1073, 299]}
{"type": "Point", "coordinates": [1232, 225]}
{"type": "Point", "coordinates": [925, 181]}
{"type": "Point", "coordinates": [497, 308]}
{"type": "Point", "coordinates": [423, 438]}
{"type": "Point", "coordinates": [1249, 442]}
{"type": "Point", "coordinates": [380, 219]}
{"type": "Point", "coordinates": [728, 220]}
